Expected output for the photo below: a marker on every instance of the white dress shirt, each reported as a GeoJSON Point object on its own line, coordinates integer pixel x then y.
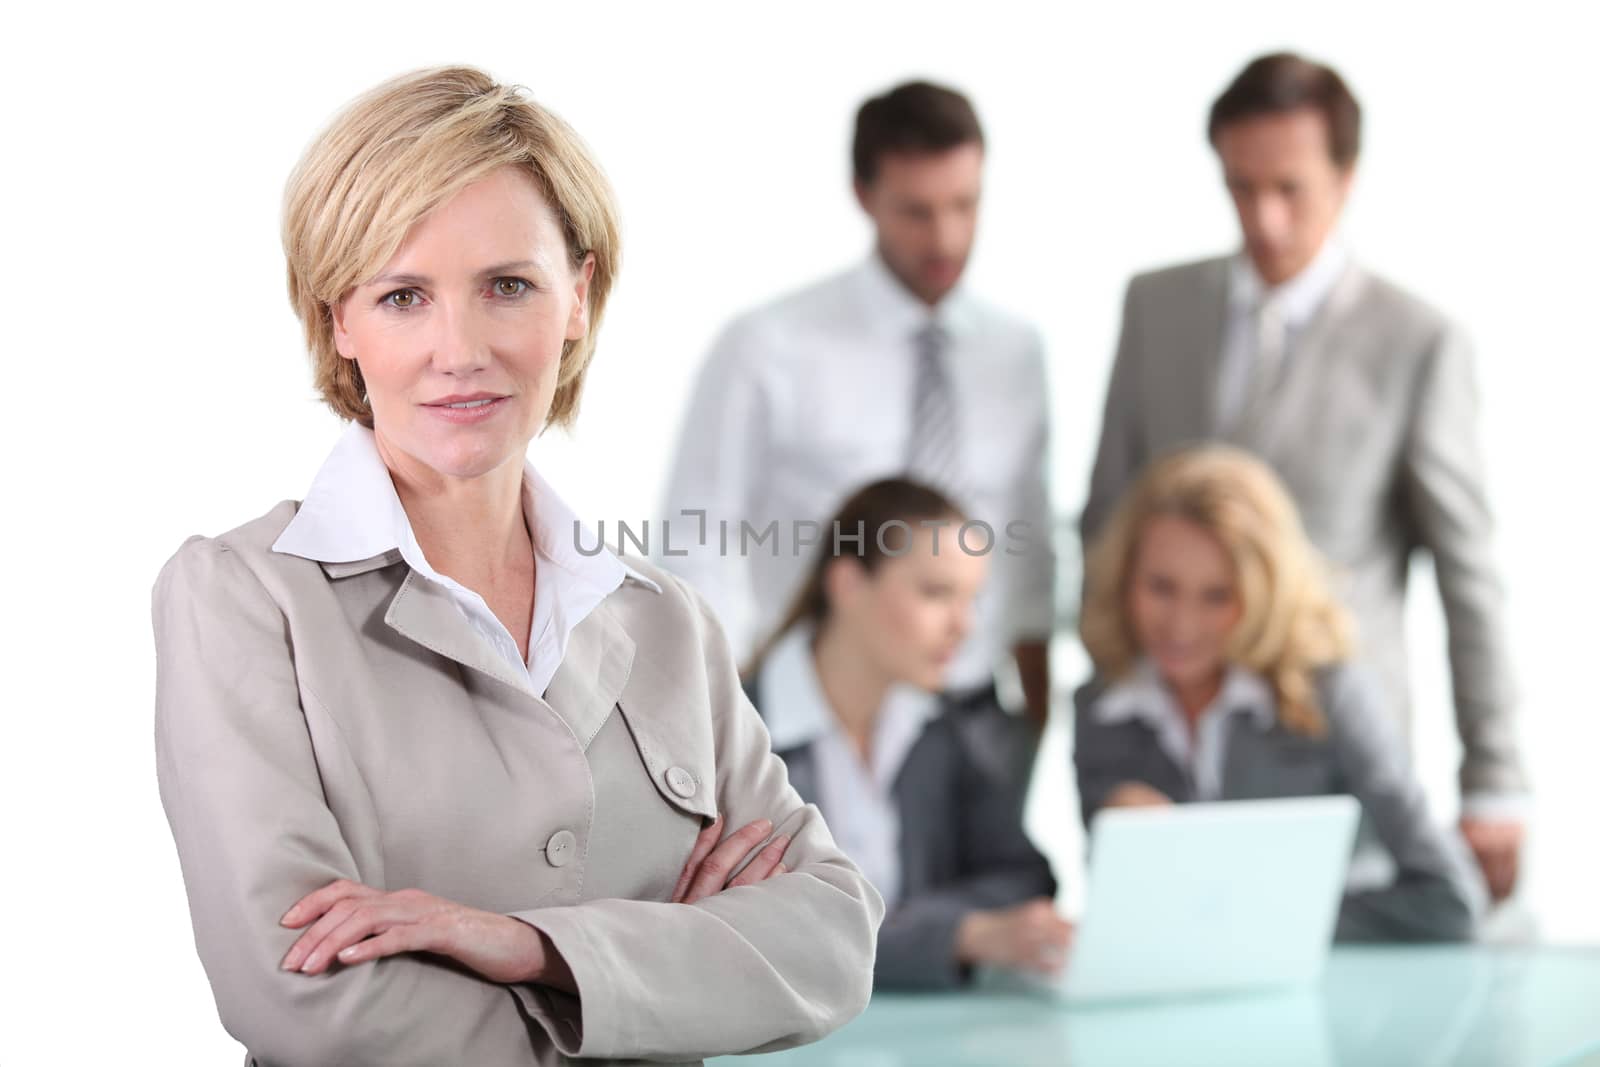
{"type": "Point", "coordinates": [1296, 301]}
{"type": "Point", "coordinates": [856, 798]}
{"type": "Point", "coordinates": [352, 512]}
{"type": "Point", "coordinates": [1142, 696]}
{"type": "Point", "coordinates": [809, 398]}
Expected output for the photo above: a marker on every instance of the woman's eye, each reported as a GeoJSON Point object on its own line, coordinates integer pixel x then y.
{"type": "Point", "coordinates": [401, 298]}
{"type": "Point", "coordinates": [510, 287]}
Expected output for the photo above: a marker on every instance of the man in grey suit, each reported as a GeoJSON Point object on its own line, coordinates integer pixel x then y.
{"type": "Point", "coordinates": [1358, 394]}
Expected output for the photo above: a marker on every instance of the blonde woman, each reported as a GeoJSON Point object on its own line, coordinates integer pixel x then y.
{"type": "Point", "coordinates": [446, 788]}
{"type": "Point", "coordinates": [1224, 672]}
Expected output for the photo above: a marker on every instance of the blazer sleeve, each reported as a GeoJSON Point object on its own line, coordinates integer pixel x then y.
{"type": "Point", "coordinates": [1437, 894]}
{"type": "Point", "coordinates": [999, 866]}
{"type": "Point", "coordinates": [722, 450]}
{"type": "Point", "coordinates": [1120, 454]}
{"type": "Point", "coordinates": [1444, 480]}
{"type": "Point", "coordinates": [239, 780]}
{"type": "Point", "coordinates": [750, 969]}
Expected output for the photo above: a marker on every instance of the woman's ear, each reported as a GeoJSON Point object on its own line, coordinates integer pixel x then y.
{"type": "Point", "coordinates": [578, 322]}
{"type": "Point", "coordinates": [341, 336]}
{"type": "Point", "coordinates": [844, 582]}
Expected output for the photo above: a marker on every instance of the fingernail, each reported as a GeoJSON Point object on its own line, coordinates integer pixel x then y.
{"type": "Point", "coordinates": [347, 952]}
{"type": "Point", "coordinates": [764, 825]}
{"type": "Point", "coordinates": [783, 868]}
{"type": "Point", "coordinates": [285, 920]}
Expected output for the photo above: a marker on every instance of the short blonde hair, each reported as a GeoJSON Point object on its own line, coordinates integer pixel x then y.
{"type": "Point", "coordinates": [1291, 624]}
{"type": "Point", "coordinates": [399, 151]}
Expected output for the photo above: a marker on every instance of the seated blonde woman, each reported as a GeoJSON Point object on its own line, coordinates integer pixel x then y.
{"type": "Point", "coordinates": [1224, 672]}
{"type": "Point", "coordinates": [922, 791]}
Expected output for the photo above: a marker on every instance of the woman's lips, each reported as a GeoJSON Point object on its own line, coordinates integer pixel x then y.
{"type": "Point", "coordinates": [468, 415]}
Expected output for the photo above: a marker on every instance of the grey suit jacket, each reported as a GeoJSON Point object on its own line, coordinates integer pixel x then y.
{"type": "Point", "coordinates": [317, 721]}
{"type": "Point", "coordinates": [959, 794]}
{"type": "Point", "coordinates": [1436, 894]}
{"type": "Point", "coordinates": [1374, 431]}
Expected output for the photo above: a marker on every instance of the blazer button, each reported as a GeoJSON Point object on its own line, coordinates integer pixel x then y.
{"type": "Point", "coordinates": [560, 848]}
{"type": "Point", "coordinates": [681, 782]}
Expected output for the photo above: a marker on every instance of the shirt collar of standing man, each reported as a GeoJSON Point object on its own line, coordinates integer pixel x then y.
{"type": "Point", "coordinates": [1301, 296]}
{"type": "Point", "coordinates": [893, 309]}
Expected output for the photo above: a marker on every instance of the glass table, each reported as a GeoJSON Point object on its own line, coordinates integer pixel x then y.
{"type": "Point", "coordinates": [1401, 1006]}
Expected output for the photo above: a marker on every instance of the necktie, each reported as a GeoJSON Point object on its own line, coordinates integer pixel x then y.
{"type": "Point", "coordinates": [934, 454]}
{"type": "Point", "coordinates": [1266, 366]}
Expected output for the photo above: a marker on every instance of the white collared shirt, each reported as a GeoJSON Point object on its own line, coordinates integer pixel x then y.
{"type": "Point", "coordinates": [1299, 299]}
{"type": "Point", "coordinates": [857, 800]}
{"type": "Point", "coordinates": [809, 398]}
{"type": "Point", "coordinates": [1143, 697]}
{"type": "Point", "coordinates": [352, 512]}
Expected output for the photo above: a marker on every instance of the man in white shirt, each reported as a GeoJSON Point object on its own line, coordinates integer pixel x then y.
{"type": "Point", "coordinates": [1360, 396]}
{"type": "Point", "coordinates": [889, 368]}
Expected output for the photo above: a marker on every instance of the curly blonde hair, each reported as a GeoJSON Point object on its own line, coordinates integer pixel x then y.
{"type": "Point", "coordinates": [398, 152]}
{"type": "Point", "coordinates": [1290, 626]}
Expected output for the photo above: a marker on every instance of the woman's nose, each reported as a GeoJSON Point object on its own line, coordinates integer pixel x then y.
{"type": "Point", "coordinates": [461, 345]}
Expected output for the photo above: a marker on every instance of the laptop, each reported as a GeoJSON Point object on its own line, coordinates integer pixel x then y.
{"type": "Point", "coordinates": [1198, 899]}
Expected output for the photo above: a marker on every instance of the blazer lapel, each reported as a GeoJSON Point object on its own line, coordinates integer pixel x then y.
{"type": "Point", "coordinates": [424, 612]}
{"type": "Point", "coordinates": [592, 674]}
{"type": "Point", "coordinates": [1304, 378]}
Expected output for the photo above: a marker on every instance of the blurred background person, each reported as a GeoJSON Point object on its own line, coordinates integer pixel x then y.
{"type": "Point", "coordinates": [849, 687]}
{"type": "Point", "coordinates": [888, 368]}
{"type": "Point", "coordinates": [1361, 397]}
{"type": "Point", "coordinates": [1223, 672]}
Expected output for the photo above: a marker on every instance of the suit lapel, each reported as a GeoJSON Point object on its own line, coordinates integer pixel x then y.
{"type": "Point", "coordinates": [586, 685]}
{"type": "Point", "coordinates": [423, 611]}
{"type": "Point", "coordinates": [1304, 380]}
{"type": "Point", "coordinates": [592, 674]}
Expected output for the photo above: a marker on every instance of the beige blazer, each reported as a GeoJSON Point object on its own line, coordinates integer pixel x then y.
{"type": "Point", "coordinates": [1374, 429]}
{"type": "Point", "coordinates": [323, 721]}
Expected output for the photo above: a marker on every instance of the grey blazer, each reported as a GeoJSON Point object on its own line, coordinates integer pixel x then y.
{"type": "Point", "coordinates": [1374, 431]}
{"type": "Point", "coordinates": [1436, 894]}
{"type": "Point", "coordinates": [317, 721]}
{"type": "Point", "coordinates": [962, 847]}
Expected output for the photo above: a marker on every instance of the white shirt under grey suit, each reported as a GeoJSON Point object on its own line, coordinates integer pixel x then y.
{"type": "Point", "coordinates": [807, 399]}
{"type": "Point", "coordinates": [1369, 415]}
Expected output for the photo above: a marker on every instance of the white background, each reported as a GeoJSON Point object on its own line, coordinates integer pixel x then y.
{"type": "Point", "coordinates": [159, 387]}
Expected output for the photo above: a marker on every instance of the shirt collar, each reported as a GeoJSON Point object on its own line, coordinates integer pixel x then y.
{"type": "Point", "coordinates": [1301, 296]}
{"type": "Point", "coordinates": [898, 313]}
{"type": "Point", "coordinates": [352, 512]}
{"type": "Point", "coordinates": [1143, 697]}
{"type": "Point", "coordinates": [796, 711]}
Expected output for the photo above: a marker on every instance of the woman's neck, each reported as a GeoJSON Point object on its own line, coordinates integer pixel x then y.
{"type": "Point", "coordinates": [471, 529]}
{"type": "Point", "coordinates": [1196, 696]}
{"type": "Point", "coordinates": [852, 685]}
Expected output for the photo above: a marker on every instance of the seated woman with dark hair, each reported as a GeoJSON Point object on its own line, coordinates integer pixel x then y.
{"type": "Point", "coordinates": [1225, 672]}
{"type": "Point", "coordinates": [922, 792]}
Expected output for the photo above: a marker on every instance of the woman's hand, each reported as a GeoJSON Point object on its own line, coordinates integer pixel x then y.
{"type": "Point", "coordinates": [353, 923]}
{"type": "Point", "coordinates": [1030, 936]}
{"type": "Point", "coordinates": [1135, 795]}
{"type": "Point", "coordinates": [710, 863]}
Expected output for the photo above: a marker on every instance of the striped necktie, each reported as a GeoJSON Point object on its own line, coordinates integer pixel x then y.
{"type": "Point", "coordinates": [934, 455]}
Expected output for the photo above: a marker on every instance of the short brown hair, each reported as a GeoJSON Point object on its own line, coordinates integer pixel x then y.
{"type": "Point", "coordinates": [915, 117]}
{"type": "Point", "coordinates": [398, 152]}
{"type": "Point", "coordinates": [1283, 82]}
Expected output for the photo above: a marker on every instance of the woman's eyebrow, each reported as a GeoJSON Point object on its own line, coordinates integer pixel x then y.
{"type": "Point", "coordinates": [423, 281]}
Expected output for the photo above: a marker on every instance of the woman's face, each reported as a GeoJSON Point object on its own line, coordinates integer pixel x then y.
{"type": "Point", "coordinates": [913, 612]}
{"type": "Point", "coordinates": [473, 309]}
{"type": "Point", "coordinates": [1183, 599]}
